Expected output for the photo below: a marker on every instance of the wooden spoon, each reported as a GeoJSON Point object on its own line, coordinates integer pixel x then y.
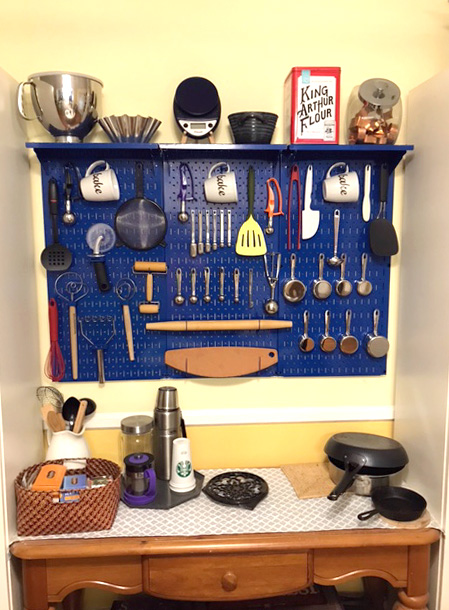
{"type": "Point", "coordinates": [55, 421]}
{"type": "Point", "coordinates": [45, 410]}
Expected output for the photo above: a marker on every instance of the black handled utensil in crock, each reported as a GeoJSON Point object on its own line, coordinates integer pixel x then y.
{"type": "Point", "coordinates": [140, 223]}
{"type": "Point", "coordinates": [395, 503]}
{"type": "Point", "coordinates": [357, 453]}
{"type": "Point", "coordinates": [71, 406]}
{"type": "Point", "coordinates": [55, 257]}
{"type": "Point", "coordinates": [382, 234]}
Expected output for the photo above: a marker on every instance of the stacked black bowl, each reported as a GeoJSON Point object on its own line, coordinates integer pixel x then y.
{"type": "Point", "coordinates": [252, 127]}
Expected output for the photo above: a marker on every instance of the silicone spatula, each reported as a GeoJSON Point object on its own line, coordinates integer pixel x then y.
{"type": "Point", "coordinates": [310, 218]}
{"type": "Point", "coordinates": [382, 234]}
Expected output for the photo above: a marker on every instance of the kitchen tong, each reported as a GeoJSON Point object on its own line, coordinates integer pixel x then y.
{"type": "Point", "coordinates": [294, 179]}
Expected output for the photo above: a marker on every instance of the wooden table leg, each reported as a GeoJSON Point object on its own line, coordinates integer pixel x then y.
{"type": "Point", "coordinates": [417, 594]}
{"type": "Point", "coordinates": [34, 584]}
{"type": "Point", "coordinates": [73, 601]}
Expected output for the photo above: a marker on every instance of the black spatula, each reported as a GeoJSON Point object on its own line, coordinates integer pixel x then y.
{"type": "Point", "coordinates": [382, 234]}
{"type": "Point", "coordinates": [55, 257]}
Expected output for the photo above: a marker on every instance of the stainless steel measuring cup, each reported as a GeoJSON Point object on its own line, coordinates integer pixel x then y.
{"type": "Point", "coordinates": [343, 287]}
{"type": "Point", "coordinates": [321, 287]}
{"type": "Point", "coordinates": [348, 343]}
{"type": "Point", "coordinates": [294, 290]}
{"type": "Point", "coordinates": [306, 343]}
{"type": "Point", "coordinates": [364, 286]}
{"type": "Point", "coordinates": [327, 343]}
{"type": "Point", "coordinates": [376, 345]}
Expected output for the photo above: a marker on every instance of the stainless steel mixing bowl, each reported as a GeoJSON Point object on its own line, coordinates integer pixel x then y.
{"type": "Point", "coordinates": [67, 104]}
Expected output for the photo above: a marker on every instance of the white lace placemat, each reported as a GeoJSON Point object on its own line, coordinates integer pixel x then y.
{"type": "Point", "coordinates": [281, 511]}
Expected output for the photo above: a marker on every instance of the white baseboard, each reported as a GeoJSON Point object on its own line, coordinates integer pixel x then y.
{"type": "Point", "coordinates": [262, 415]}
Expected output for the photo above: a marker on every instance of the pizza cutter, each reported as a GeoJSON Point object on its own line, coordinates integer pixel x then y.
{"type": "Point", "coordinates": [100, 238]}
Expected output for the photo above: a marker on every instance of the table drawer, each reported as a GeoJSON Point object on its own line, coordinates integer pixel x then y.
{"type": "Point", "coordinates": [227, 577]}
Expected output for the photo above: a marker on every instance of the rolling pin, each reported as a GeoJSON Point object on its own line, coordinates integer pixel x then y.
{"type": "Point", "coordinates": [149, 267]}
{"type": "Point", "coordinates": [193, 325]}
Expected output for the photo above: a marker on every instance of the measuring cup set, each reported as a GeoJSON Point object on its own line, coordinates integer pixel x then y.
{"type": "Point", "coordinates": [376, 345]}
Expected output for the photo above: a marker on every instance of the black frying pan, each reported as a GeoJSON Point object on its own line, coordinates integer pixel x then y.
{"type": "Point", "coordinates": [361, 453]}
{"type": "Point", "coordinates": [140, 223]}
{"type": "Point", "coordinates": [395, 503]}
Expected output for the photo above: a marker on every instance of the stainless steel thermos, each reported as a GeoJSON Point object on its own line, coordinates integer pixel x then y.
{"type": "Point", "coordinates": [167, 427]}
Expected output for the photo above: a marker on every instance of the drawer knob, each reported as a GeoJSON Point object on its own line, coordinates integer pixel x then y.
{"type": "Point", "coordinates": [229, 581]}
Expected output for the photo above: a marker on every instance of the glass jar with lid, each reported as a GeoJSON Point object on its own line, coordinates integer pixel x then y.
{"type": "Point", "coordinates": [136, 435]}
{"type": "Point", "coordinates": [374, 112]}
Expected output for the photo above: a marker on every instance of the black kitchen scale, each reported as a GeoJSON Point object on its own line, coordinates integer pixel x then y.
{"type": "Point", "coordinates": [197, 108]}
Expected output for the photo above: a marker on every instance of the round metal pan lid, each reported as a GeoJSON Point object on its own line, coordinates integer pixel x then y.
{"type": "Point", "coordinates": [376, 451]}
{"type": "Point", "coordinates": [380, 92]}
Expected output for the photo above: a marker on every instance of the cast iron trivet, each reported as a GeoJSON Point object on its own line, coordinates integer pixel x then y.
{"type": "Point", "coordinates": [237, 489]}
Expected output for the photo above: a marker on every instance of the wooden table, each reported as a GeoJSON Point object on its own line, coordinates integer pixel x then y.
{"type": "Point", "coordinates": [226, 567]}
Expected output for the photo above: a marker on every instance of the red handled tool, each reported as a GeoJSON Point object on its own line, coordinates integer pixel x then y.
{"type": "Point", "coordinates": [294, 178]}
{"type": "Point", "coordinates": [270, 204]}
{"type": "Point", "coordinates": [54, 364]}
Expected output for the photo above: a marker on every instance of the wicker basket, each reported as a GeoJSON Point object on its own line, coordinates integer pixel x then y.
{"type": "Point", "coordinates": [37, 515]}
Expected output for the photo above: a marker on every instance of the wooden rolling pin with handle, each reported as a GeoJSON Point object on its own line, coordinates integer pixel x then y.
{"type": "Point", "coordinates": [199, 325]}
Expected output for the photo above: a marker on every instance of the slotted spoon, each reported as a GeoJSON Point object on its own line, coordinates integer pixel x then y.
{"type": "Point", "coordinates": [250, 239]}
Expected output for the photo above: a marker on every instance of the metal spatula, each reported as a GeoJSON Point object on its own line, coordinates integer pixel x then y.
{"type": "Point", "coordinates": [250, 239]}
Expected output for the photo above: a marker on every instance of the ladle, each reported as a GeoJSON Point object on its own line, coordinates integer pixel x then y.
{"type": "Point", "coordinates": [348, 343]}
{"type": "Point", "coordinates": [364, 286]}
{"type": "Point", "coordinates": [335, 260]}
{"type": "Point", "coordinates": [306, 343]}
{"type": "Point", "coordinates": [343, 287]}
{"type": "Point", "coordinates": [327, 343]}
{"type": "Point", "coordinates": [321, 287]}
{"type": "Point", "coordinates": [294, 290]}
{"type": "Point", "coordinates": [70, 410]}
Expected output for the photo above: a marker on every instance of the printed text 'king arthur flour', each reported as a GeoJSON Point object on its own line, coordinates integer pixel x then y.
{"type": "Point", "coordinates": [312, 104]}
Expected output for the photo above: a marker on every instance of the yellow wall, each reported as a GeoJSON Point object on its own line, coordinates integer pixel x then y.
{"type": "Point", "coordinates": [142, 50]}
{"type": "Point", "coordinates": [266, 445]}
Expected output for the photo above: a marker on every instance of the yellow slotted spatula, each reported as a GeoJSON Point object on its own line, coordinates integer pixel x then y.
{"type": "Point", "coordinates": [250, 239]}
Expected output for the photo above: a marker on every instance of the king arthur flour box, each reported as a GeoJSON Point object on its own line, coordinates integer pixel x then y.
{"type": "Point", "coordinates": [312, 105]}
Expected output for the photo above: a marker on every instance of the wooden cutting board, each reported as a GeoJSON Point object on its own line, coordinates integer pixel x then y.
{"type": "Point", "coordinates": [221, 361]}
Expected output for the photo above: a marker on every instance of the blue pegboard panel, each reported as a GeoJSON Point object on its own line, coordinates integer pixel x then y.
{"type": "Point", "coordinates": [162, 184]}
{"type": "Point", "coordinates": [119, 264]}
{"type": "Point", "coordinates": [353, 241]}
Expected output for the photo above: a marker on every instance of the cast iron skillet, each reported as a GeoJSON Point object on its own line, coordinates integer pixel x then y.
{"type": "Point", "coordinates": [140, 223]}
{"type": "Point", "coordinates": [359, 453]}
{"type": "Point", "coordinates": [396, 503]}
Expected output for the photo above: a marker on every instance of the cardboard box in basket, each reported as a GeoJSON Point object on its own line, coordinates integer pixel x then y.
{"type": "Point", "coordinates": [39, 515]}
